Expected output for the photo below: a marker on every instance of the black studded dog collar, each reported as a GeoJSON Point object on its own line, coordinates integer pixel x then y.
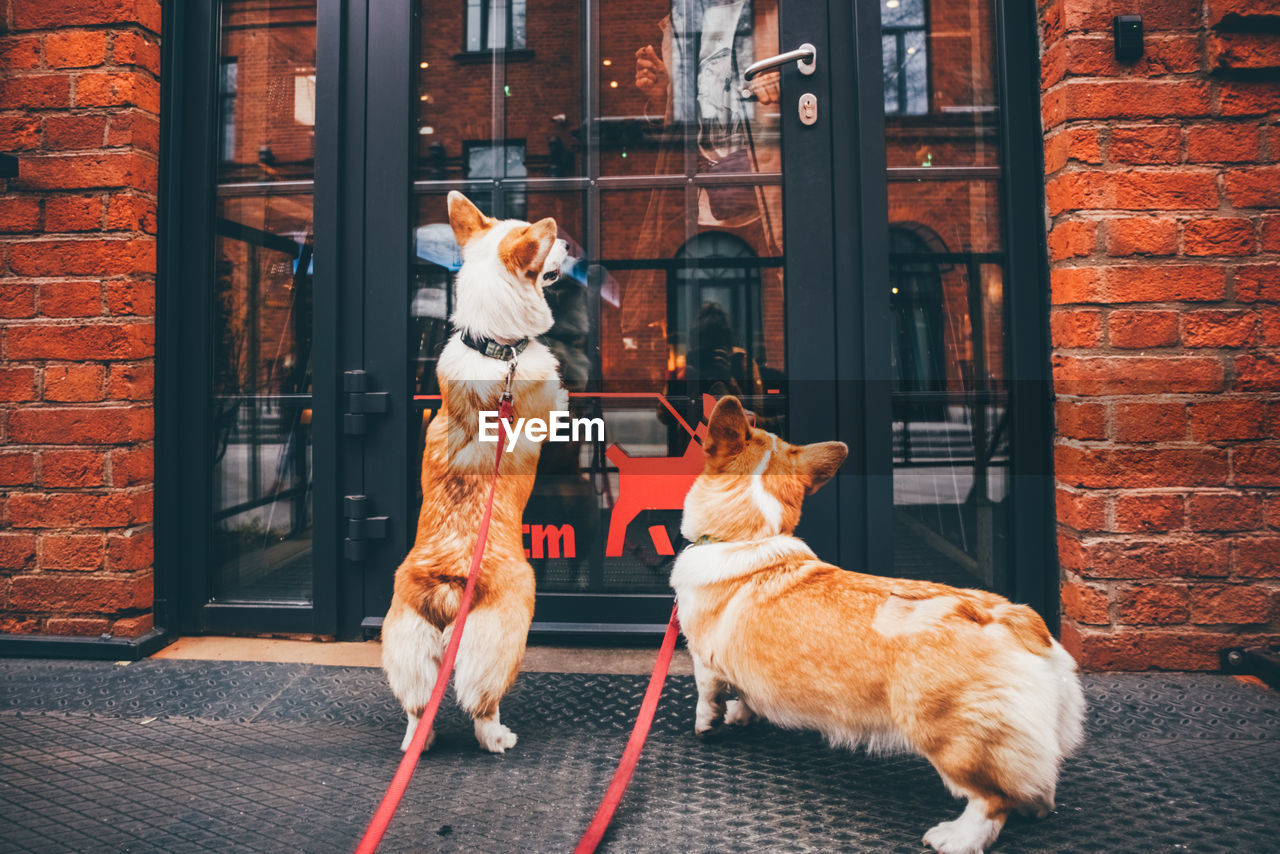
{"type": "Point", "coordinates": [494, 350]}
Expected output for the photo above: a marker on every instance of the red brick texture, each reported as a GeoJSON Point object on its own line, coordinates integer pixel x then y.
{"type": "Point", "coordinates": [1161, 184]}
{"type": "Point", "coordinates": [79, 104]}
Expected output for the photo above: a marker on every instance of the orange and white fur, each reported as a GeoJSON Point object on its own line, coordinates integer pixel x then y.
{"type": "Point", "coordinates": [498, 297]}
{"type": "Point", "coordinates": [965, 678]}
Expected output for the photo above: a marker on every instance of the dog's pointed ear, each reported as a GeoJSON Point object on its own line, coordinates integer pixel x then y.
{"type": "Point", "coordinates": [525, 250]}
{"type": "Point", "coordinates": [727, 431]}
{"type": "Point", "coordinates": [465, 217]}
{"type": "Point", "coordinates": [821, 460]}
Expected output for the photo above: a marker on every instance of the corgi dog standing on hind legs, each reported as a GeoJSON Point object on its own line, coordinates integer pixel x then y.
{"type": "Point", "coordinates": [499, 312]}
{"type": "Point", "coordinates": [965, 678]}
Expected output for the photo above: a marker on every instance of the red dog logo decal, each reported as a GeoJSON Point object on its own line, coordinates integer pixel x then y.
{"type": "Point", "coordinates": [654, 483]}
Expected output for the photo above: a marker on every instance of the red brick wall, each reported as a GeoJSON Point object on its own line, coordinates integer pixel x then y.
{"type": "Point", "coordinates": [1161, 188]}
{"type": "Point", "coordinates": [79, 98]}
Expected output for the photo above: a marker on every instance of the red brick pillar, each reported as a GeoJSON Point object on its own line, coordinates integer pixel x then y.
{"type": "Point", "coordinates": [1161, 188]}
{"type": "Point", "coordinates": [79, 100]}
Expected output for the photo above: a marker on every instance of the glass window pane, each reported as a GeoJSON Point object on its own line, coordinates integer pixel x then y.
{"type": "Point", "coordinates": [475, 25]}
{"type": "Point", "coordinates": [902, 13]}
{"type": "Point", "coordinates": [517, 24]}
{"type": "Point", "coordinates": [672, 97]}
{"type": "Point", "coordinates": [889, 67]}
{"type": "Point", "coordinates": [497, 30]}
{"type": "Point", "coordinates": [671, 200]}
{"type": "Point", "coordinates": [261, 457]}
{"type": "Point", "coordinates": [915, 74]}
{"type": "Point", "coordinates": [949, 397]}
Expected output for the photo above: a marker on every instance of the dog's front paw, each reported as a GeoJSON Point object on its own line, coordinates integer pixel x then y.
{"type": "Point", "coordinates": [962, 836]}
{"type": "Point", "coordinates": [738, 713]}
{"type": "Point", "coordinates": [944, 839]}
{"type": "Point", "coordinates": [494, 737]}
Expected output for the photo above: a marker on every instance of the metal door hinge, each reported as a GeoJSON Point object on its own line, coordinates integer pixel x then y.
{"type": "Point", "coordinates": [361, 402]}
{"type": "Point", "coordinates": [361, 527]}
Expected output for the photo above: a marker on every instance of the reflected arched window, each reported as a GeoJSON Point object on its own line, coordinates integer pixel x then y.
{"type": "Point", "coordinates": [916, 309]}
{"type": "Point", "coordinates": [713, 301]}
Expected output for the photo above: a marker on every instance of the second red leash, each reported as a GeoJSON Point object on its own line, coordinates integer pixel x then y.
{"type": "Point", "coordinates": [631, 755]}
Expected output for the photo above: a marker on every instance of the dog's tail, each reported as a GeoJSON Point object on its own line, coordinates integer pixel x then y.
{"type": "Point", "coordinates": [439, 602]}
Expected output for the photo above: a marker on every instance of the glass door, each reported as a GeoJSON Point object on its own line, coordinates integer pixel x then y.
{"type": "Point", "coordinates": [853, 251]}
{"type": "Point", "coordinates": [696, 204]}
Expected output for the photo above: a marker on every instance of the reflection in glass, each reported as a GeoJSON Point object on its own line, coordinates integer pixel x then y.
{"type": "Point", "coordinates": [939, 67]}
{"type": "Point", "coordinates": [261, 454]}
{"type": "Point", "coordinates": [950, 401]}
{"type": "Point", "coordinates": [661, 166]}
{"type": "Point", "coordinates": [495, 24]}
{"type": "Point", "coordinates": [905, 57]}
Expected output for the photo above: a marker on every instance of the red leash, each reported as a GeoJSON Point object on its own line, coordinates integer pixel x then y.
{"type": "Point", "coordinates": [404, 773]}
{"type": "Point", "coordinates": [631, 755]}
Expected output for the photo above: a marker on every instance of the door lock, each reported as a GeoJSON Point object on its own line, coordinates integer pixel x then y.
{"type": "Point", "coordinates": [808, 108]}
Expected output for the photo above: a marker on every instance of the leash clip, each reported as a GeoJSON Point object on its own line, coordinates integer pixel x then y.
{"type": "Point", "coordinates": [511, 375]}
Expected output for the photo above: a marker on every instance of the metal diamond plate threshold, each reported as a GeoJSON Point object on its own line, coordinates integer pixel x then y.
{"type": "Point", "coordinates": [190, 756]}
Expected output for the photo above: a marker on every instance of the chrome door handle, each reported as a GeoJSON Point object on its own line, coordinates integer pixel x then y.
{"type": "Point", "coordinates": [805, 57]}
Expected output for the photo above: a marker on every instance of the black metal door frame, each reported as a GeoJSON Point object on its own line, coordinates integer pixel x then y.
{"type": "Point", "coordinates": [863, 369]}
{"type": "Point", "coordinates": [387, 474]}
{"type": "Point", "coordinates": [184, 315]}
{"type": "Point", "coordinates": [1033, 547]}
{"type": "Point", "coordinates": [363, 197]}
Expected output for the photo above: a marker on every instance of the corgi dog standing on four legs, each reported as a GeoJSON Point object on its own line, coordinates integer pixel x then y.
{"type": "Point", "coordinates": [500, 311]}
{"type": "Point", "coordinates": [965, 678]}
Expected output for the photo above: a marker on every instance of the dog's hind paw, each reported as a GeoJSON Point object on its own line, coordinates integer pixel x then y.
{"type": "Point", "coordinates": [738, 713]}
{"type": "Point", "coordinates": [949, 838]}
{"type": "Point", "coordinates": [408, 737]}
{"type": "Point", "coordinates": [494, 737]}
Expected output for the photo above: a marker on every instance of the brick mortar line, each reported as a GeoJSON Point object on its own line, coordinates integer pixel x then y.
{"type": "Point", "coordinates": [75, 70]}
{"type": "Point", "coordinates": [18, 187]}
{"type": "Point", "coordinates": [1113, 445]}
{"type": "Point", "coordinates": [1161, 444]}
{"type": "Point", "coordinates": [1262, 119]}
{"type": "Point", "coordinates": [108, 26]}
{"type": "Point", "coordinates": [1217, 168]}
{"type": "Point", "coordinates": [1169, 77]}
{"type": "Point", "coordinates": [1165, 351]}
{"type": "Point", "coordinates": [1261, 492]}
